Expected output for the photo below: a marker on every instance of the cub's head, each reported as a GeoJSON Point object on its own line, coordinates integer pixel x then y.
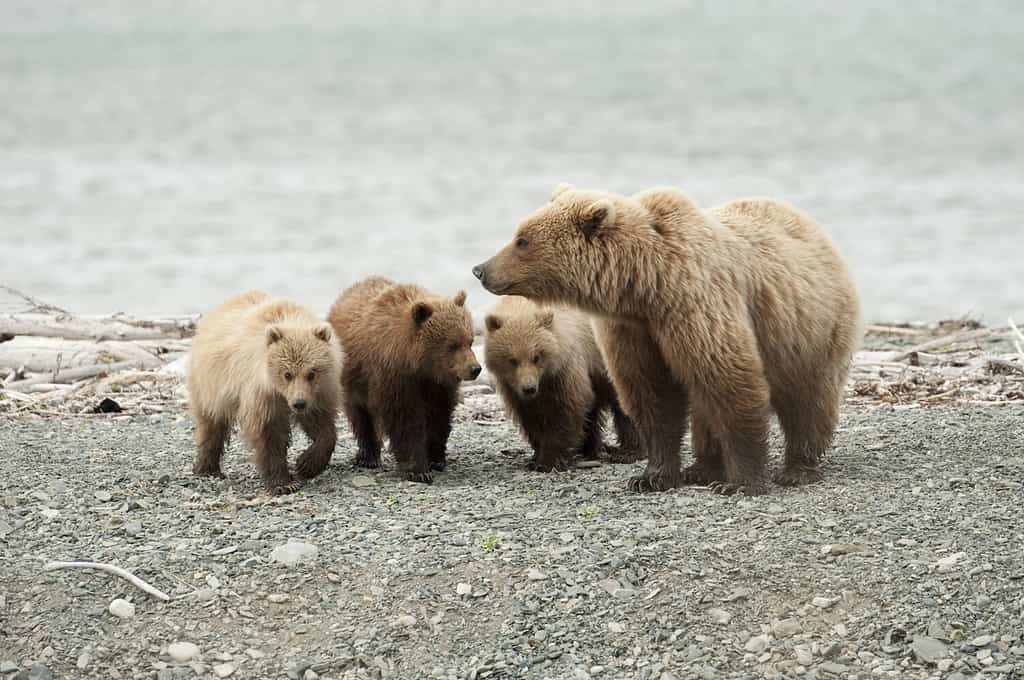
{"type": "Point", "coordinates": [443, 339]}
{"type": "Point", "coordinates": [562, 249]}
{"type": "Point", "coordinates": [302, 361]}
{"type": "Point", "coordinates": [521, 347]}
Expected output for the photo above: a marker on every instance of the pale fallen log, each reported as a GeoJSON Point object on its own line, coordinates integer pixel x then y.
{"type": "Point", "coordinates": [73, 374]}
{"type": "Point", "coordinates": [893, 330]}
{"type": "Point", "coordinates": [947, 340]}
{"type": "Point", "coordinates": [117, 327]}
{"type": "Point", "coordinates": [37, 355]}
{"type": "Point", "coordinates": [110, 569]}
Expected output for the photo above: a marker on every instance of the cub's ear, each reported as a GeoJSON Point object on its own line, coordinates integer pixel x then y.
{"type": "Point", "coordinates": [460, 298]}
{"type": "Point", "coordinates": [492, 323]}
{"type": "Point", "coordinates": [323, 332]}
{"type": "Point", "coordinates": [561, 189]}
{"type": "Point", "coordinates": [599, 213]}
{"type": "Point", "coordinates": [273, 334]}
{"type": "Point", "coordinates": [546, 317]}
{"type": "Point", "coordinates": [421, 311]}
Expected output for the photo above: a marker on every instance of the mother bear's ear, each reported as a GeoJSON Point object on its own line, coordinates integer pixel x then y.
{"type": "Point", "coordinates": [561, 189]}
{"type": "Point", "coordinates": [596, 215]}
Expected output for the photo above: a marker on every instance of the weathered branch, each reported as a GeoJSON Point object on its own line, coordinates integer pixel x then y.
{"type": "Point", "coordinates": [72, 374]}
{"type": "Point", "coordinates": [110, 569]}
{"type": "Point", "coordinates": [944, 341]}
{"type": "Point", "coordinates": [118, 327]}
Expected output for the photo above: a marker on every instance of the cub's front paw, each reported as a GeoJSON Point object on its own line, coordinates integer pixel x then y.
{"type": "Point", "coordinates": [702, 474]}
{"type": "Point", "coordinates": [309, 465]}
{"type": "Point", "coordinates": [419, 477]}
{"type": "Point", "coordinates": [654, 481]}
{"type": "Point", "coordinates": [366, 460]}
{"type": "Point", "coordinates": [738, 488]}
{"type": "Point", "coordinates": [798, 475]}
{"type": "Point", "coordinates": [207, 471]}
{"type": "Point", "coordinates": [284, 488]}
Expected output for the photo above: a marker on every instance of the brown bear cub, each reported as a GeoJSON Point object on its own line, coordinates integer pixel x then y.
{"type": "Point", "coordinates": [553, 381]}
{"type": "Point", "coordinates": [259, 361]}
{"type": "Point", "coordinates": [407, 350]}
{"type": "Point", "coordinates": [730, 312]}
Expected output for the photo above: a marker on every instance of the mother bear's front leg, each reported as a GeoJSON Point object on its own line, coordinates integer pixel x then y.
{"type": "Point", "coordinates": [653, 399]}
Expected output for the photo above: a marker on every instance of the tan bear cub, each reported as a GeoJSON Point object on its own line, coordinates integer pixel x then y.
{"type": "Point", "coordinates": [730, 312]}
{"type": "Point", "coordinates": [553, 381]}
{"type": "Point", "coordinates": [407, 350]}
{"type": "Point", "coordinates": [259, 361]}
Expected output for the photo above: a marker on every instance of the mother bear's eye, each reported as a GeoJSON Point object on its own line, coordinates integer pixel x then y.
{"type": "Point", "coordinates": [521, 242]}
{"type": "Point", "coordinates": [453, 347]}
{"type": "Point", "coordinates": [311, 376]}
{"type": "Point", "coordinates": [288, 377]}
{"type": "Point", "coordinates": [514, 362]}
{"type": "Point", "coordinates": [536, 358]}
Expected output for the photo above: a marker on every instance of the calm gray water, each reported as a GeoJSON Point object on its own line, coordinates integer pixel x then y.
{"type": "Point", "coordinates": [156, 157]}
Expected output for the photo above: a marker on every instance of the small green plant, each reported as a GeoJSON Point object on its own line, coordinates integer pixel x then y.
{"type": "Point", "coordinates": [586, 511]}
{"type": "Point", "coordinates": [489, 541]}
{"type": "Point", "coordinates": [391, 500]}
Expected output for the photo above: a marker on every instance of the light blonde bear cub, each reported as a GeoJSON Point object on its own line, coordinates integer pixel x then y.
{"type": "Point", "coordinates": [257, 361]}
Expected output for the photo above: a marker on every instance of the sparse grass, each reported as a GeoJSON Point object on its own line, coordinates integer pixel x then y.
{"type": "Point", "coordinates": [586, 511]}
{"type": "Point", "coordinates": [489, 541]}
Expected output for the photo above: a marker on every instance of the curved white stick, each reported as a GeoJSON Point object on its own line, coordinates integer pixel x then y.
{"type": "Point", "coordinates": [110, 569]}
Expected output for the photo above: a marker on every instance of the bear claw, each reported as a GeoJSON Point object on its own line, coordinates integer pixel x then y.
{"type": "Point", "coordinates": [647, 483]}
{"type": "Point", "coordinates": [208, 472]}
{"type": "Point", "coordinates": [285, 489]}
{"type": "Point", "coordinates": [557, 466]}
{"type": "Point", "coordinates": [736, 488]}
{"type": "Point", "coordinates": [798, 476]}
{"type": "Point", "coordinates": [420, 477]}
{"type": "Point", "coordinates": [366, 461]}
{"type": "Point", "coordinates": [438, 465]}
{"type": "Point", "coordinates": [308, 468]}
{"type": "Point", "coordinates": [701, 474]}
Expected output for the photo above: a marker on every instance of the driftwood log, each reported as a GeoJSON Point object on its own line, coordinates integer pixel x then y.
{"type": "Point", "coordinates": [37, 355]}
{"type": "Point", "coordinates": [60, 377]}
{"type": "Point", "coordinates": [97, 328]}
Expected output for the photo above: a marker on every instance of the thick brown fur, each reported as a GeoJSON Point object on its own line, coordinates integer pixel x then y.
{"type": "Point", "coordinates": [552, 378]}
{"type": "Point", "coordinates": [256, 361]}
{"type": "Point", "coordinates": [407, 350]}
{"type": "Point", "coordinates": [734, 312]}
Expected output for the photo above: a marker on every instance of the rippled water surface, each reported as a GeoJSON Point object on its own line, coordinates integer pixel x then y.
{"type": "Point", "coordinates": [156, 157]}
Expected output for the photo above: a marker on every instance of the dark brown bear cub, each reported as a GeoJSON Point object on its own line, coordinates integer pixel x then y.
{"type": "Point", "coordinates": [407, 350]}
{"type": "Point", "coordinates": [553, 382]}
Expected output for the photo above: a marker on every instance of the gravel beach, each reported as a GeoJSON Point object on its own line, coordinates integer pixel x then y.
{"type": "Point", "coordinates": [906, 562]}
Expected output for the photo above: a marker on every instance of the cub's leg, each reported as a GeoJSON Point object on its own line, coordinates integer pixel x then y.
{"type": "Point", "coordinates": [321, 428]}
{"type": "Point", "coordinates": [267, 433]}
{"type": "Point", "coordinates": [211, 436]}
{"type": "Point", "coordinates": [440, 404]}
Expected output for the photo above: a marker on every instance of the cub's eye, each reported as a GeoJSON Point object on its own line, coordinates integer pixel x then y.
{"type": "Point", "coordinates": [514, 362]}
{"type": "Point", "coordinates": [311, 376]}
{"type": "Point", "coordinates": [288, 376]}
{"type": "Point", "coordinates": [453, 347]}
{"type": "Point", "coordinates": [521, 242]}
{"type": "Point", "coordinates": [536, 358]}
